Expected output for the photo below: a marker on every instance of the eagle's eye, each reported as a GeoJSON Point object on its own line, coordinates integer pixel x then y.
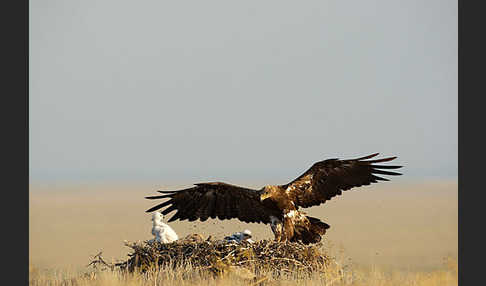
{"type": "Point", "coordinates": [266, 194]}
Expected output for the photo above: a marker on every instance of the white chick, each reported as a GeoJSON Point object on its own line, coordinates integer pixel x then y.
{"type": "Point", "coordinates": [238, 237]}
{"type": "Point", "coordinates": [162, 232]}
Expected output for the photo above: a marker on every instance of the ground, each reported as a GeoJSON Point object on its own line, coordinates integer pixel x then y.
{"type": "Point", "coordinates": [409, 226]}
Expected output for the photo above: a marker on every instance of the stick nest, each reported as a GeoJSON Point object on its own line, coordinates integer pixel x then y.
{"type": "Point", "coordinates": [218, 256]}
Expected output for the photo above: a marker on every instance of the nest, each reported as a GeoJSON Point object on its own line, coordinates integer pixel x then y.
{"type": "Point", "coordinates": [219, 256]}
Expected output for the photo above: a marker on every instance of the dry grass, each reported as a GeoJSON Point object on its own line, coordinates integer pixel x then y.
{"type": "Point", "coordinates": [334, 274]}
{"type": "Point", "coordinates": [395, 235]}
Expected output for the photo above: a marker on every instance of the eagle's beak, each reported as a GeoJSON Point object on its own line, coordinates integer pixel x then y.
{"type": "Point", "coordinates": [264, 196]}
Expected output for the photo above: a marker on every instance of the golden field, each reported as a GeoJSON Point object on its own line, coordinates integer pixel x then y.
{"type": "Point", "coordinates": [388, 233]}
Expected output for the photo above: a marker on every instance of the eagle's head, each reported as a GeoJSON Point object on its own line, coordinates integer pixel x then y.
{"type": "Point", "coordinates": [268, 191]}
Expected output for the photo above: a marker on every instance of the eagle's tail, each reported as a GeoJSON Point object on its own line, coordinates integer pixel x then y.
{"type": "Point", "coordinates": [317, 226]}
{"type": "Point", "coordinates": [316, 229]}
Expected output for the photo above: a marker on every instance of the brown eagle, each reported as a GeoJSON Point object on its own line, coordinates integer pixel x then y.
{"type": "Point", "coordinates": [277, 205]}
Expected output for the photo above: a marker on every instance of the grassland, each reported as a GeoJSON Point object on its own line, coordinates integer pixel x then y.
{"type": "Point", "coordinates": [187, 275]}
{"type": "Point", "coordinates": [381, 235]}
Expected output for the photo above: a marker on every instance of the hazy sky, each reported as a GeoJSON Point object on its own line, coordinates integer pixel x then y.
{"type": "Point", "coordinates": [239, 90]}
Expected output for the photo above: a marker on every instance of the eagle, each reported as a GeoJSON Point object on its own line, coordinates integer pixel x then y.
{"type": "Point", "coordinates": [277, 205]}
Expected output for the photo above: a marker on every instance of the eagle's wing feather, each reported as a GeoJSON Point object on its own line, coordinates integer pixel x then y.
{"type": "Point", "coordinates": [328, 178]}
{"type": "Point", "coordinates": [214, 199]}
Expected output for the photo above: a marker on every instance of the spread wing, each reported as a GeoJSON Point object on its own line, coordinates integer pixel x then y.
{"type": "Point", "coordinates": [328, 178]}
{"type": "Point", "coordinates": [215, 199]}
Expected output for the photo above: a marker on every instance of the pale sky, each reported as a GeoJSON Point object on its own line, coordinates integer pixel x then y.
{"type": "Point", "coordinates": [239, 91]}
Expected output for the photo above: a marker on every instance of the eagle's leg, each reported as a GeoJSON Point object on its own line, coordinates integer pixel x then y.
{"type": "Point", "coordinates": [277, 228]}
{"type": "Point", "coordinates": [288, 226]}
